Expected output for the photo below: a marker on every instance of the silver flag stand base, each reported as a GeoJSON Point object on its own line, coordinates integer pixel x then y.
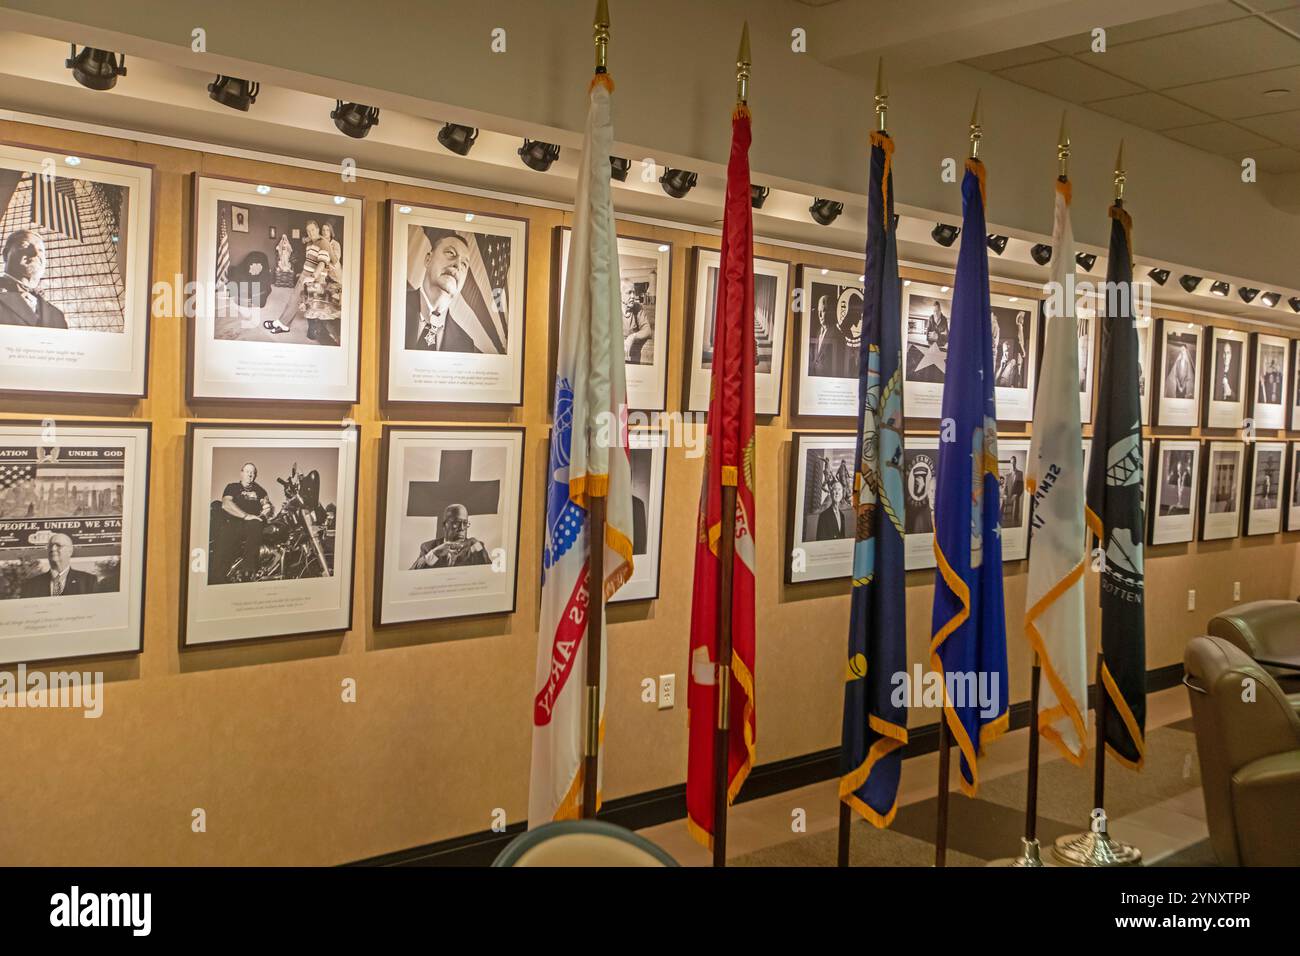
{"type": "Point", "coordinates": [1095, 849]}
{"type": "Point", "coordinates": [1029, 856]}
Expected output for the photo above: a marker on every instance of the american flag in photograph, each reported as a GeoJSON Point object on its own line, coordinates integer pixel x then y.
{"type": "Point", "coordinates": [54, 206]}
{"type": "Point", "coordinates": [223, 255]}
{"type": "Point", "coordinates": [496, 256]}
{"type": "Point", "coordinates": [15, 474]}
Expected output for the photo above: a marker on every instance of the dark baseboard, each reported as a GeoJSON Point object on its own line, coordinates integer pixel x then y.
{"type": "Point", "coordinates": [666, 804]}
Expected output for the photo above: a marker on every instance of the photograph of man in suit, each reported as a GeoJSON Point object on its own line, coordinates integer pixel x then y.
{"type": "Point", "coordinates": [21, 303]}
{"type": "Point", "coordinates": [429, 326]}
{"type": "Point", "coordinates": [831, 523]}
{"type": "Point", "coordinates": [61, 579]}
{"type": "Point", "coordinates": [455, 549]}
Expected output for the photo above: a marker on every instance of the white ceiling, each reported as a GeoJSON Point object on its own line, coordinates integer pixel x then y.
{"type": "Point", "coordinates": [1223, 77]}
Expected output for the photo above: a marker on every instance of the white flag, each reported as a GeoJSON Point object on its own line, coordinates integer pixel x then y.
{"type": "Point", "coordinates": [1054, 621]}
{"type": "Point", "coordinates": [589, 457]}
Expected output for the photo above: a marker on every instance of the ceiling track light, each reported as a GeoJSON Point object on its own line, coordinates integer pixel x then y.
{"type": "Point", "coordinates": [1159, 276]}
{"type": "Point", "coordinates": [538, 156]}
{"type": "Point", "coordinates": [459, 139]}
{"type": "Point", "coordinates": [354, 119]}
{"type": "Point", "coordinates": [1270, 299]}
{"type": "Point", "coordinates": [945, 234]}
{"type": "Point", "coordinates": [758, 195]}
{"type": "Point", "coordinates": [1189, 283]}
{"type": "Point", "coordinates": [1220, 288]}
{"type": "Point", "coordinates": [997, 244]}
{"type": "Point", "coordinates": [678, 182]}
{"type": "Point", "coordinates": [95, 69]}
{"type": "Point", "coordinates": [1041, 253]}
{"type": "Point", "coordinates": [1085, 260]}
{"type": "Point", "coordinates": [1247, 295]}
{"type": "Point", "coordinates": [1294, 302]}
{"type": "Point", "coordinates": [618, 167]}
{"type": "Point", "coordinates": [233, 92]}
{"type": "Point", "coordinates": [825, 211]}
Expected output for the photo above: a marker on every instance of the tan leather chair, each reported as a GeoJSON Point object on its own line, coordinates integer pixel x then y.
{"type": "Point", "coordinates": [1268, 630]}
{"type": "Point", "coordinates": [582, 843]}
{"type": "Point", "coordinates": [1250, 756]}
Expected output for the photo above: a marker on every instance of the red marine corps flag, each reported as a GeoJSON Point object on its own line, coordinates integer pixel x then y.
{"type": "Point", "coordinates": [721, 684]}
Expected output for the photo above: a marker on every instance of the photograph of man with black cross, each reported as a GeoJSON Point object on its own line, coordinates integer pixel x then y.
{"type": "Point", "coordinates": [453, 500]}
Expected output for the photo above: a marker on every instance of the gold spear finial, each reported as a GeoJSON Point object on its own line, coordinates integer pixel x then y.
{"type": "Point", "coordinates": [600, 32]}
{"type": "Point", "coordinates": [742, 67]}
{"type": "Point", "coordinates": [976, 130]}
{"type": "Point", "coordinates": [1063, 149]}
{"type": "Point", "coordinates": [1120, 178]}
{"type": "Point", "coordinates": [882, 95]}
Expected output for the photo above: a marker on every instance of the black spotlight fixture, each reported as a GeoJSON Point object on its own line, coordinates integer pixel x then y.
{"type": "Point", "coordinates": [825, 211]}
{"type": "Point", "coordinates": [997, 244]}
{"type": "Point", "coordinates": [1270, 299]}
{"type": "Point", "coordinates": [1294, 302]}
{"type": "Point", "coordinates": [459, 139]}
{"type": "Point", "coordinates": [233, 92]}
{"type": "Point", "coordinates": [1159, 276]}
{"type": "Point", "coordinates": [1041, 253]}
{"type": "Point", "coordinates": [1189, 283]}
{"type": "Point", "coordinates": [618, 167]}
{"type": "Point", "coordinates": [95, 69]}
{"type": "Point", "coordinates": [353, 119]}
{"type": "Point", "coordinates": [537, 155]}
{"type": "Point", "coordinates": [758, 195]}
{"type": "Point", "coordinates": [1085, 260]}
{"type": "Point", "coordinates": [945, 234]}
{"type": "Point", "coordinates": [1247, 295]}
{"type": "Point", "coordinates": [1220, 288]}
{"type": "Point", "coordinates": [678, 182]}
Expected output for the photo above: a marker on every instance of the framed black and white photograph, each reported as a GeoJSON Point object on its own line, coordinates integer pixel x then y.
{"type": "Point", "coordinates": [826, 349]}
{"type": "Point", "coordinates": [449, 519]}
{"type": "Point", "coordinates": [1293, 488]}
{"type": "Point", "coordinates": [1225, 469]}
{"type": "Point", "coordinates": [927, 313]}
{"type": "Point", "coordinates": [771, 299]}
{"type": "Point", "coordinates": [275, 317]}
{"type": "Point", "coordinates": [1087, 459]}
{"type": "Point", "coordinates": [1086, 317]}
{"type": "Point", "coordinates": [645, 271]}
{"type": "Point", "coordinates": [455, 326]}
{"type": "Point", "coordinates": [920, 474]}
{"type": "Point", "coordinates": [270, 524]}
{"type": "Point", "coordinates": [1295, 385]}
{"type": "Point", "coordinates": [1264, 491]}
{"type": "Point", "coordinates": [75, 249]}
{"type": "Point", "coordinates": [1146, 475]}
{"type": "Point", "coordinates": [73, 522]}
{"type": "Point", "coordinates": [1013, 456]}
{"type": "Point", "coordinates": [1225, 395]}
{"type": "Point", "coordinates": [1178, 386]}
{"type": "Point", "coordinates": [1269, 364]}
{"type": "Point", "coordinates": [822, 522]}
{"type": "Point", "coordinates": [646, 455]}
{"type": "Point", "coordinates": [1145, 333]}
{"type": "Point", "coordinates": [1173, 490]}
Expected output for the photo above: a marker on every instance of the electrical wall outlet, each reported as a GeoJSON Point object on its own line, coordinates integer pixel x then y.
{"type": "Point", "coordinates": [667, 691]}
{"type": "Point", "coordinates": [1236, 590]}
{"type": "Point", "coordinates": [1191, 599]}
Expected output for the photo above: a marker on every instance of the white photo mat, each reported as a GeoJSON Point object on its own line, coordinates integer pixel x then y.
{"type": "Point", "coordinates": [648, 451]}
{"type": "Point", "coordinates": [1225, 468]}
{"type": "Point", "coordinates": [829, 310]}
{"type": "Point", "coordinates": [1174, 491]}
{"type": "Point", "coordinates": [1264, 493]}
{"type": "Point", "coordinates": [1225, 393]}
{"type": "Point", "coordinates": [821, 548]}
{"type": "Point", "coordinates": [1269, 362]}
{"type": "Point", "coordinates": [1177, 374]}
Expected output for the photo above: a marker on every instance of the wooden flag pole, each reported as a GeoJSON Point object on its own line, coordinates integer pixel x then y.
{"type": "Point", "coordinates": [596, 557]}
{"type": "Point", "coordinates": [722, 732]}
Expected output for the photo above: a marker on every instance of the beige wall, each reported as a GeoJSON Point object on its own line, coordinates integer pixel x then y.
{"type": "Point", "coordinates": [257, 734]}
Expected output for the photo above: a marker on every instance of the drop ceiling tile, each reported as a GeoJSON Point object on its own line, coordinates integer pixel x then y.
{"type": "Point", "coordinates": [1288, 18]}
{"type": "Point", "coordinates": [1222, 138]}
{"type": "Point", "coordinates": [1209, 53]}
{"type": "Point", "coordinates": [1243, 95]}
{"type": "Point", "coordinates": [1151, 27]}
{"type": "Point", "coordinates": [1279, 159]}
{"type": "Point", "coordinates": [1282, 128]}
{"type": "Point", "coordinates": [1000, 61]}
{"type": "Point", "coordinates": [1069, 79]}
{"type": "Point", "coordinates": [1150, 111]}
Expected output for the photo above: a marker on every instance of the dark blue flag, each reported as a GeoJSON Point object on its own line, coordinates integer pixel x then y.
{"type": "Point", "coordinates": [875, 721]}
{"type": "Point", "coordinates": [969, 642]}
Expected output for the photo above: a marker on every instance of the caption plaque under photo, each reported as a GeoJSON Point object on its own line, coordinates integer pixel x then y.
{"type": "Point", "coordinates": [827, 346]}
{"type": "Point", "coordinates": [645, 274]}
{"type": "Point", "coordinates": [1268, 396]}
{"type": "Point", "coordinates": [1225, 468]}
{"type": "Point", "coordinates": [450, 518]}
{"type": "Point", "coordinates": [646, 453]}
{"type": "Point", "coordinates": [1178, 397]}
{"type": "Point", "coordinates": [1225, 398]}
{"type": "Point", "coordinates": [1264, 491]}
{"type": "Point", "coordinates": [73, 517]}
{"type": "Point", "coordinates": [75, 288]}
{"type": "Point", "coordinates": [771, 296]}
{"type": "Point", "coordinates": [822, 521]}
{"type": "Point", "coordinates": [455, 313]}
{"type": "Point", "coordinates": [1173, 485]}
{"type": "Point", "coordinates": [270, 523]}
{"type": "Point", "coordinates": [927, 313]}
{"type": "Point", "coordinates": [278, 293]}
